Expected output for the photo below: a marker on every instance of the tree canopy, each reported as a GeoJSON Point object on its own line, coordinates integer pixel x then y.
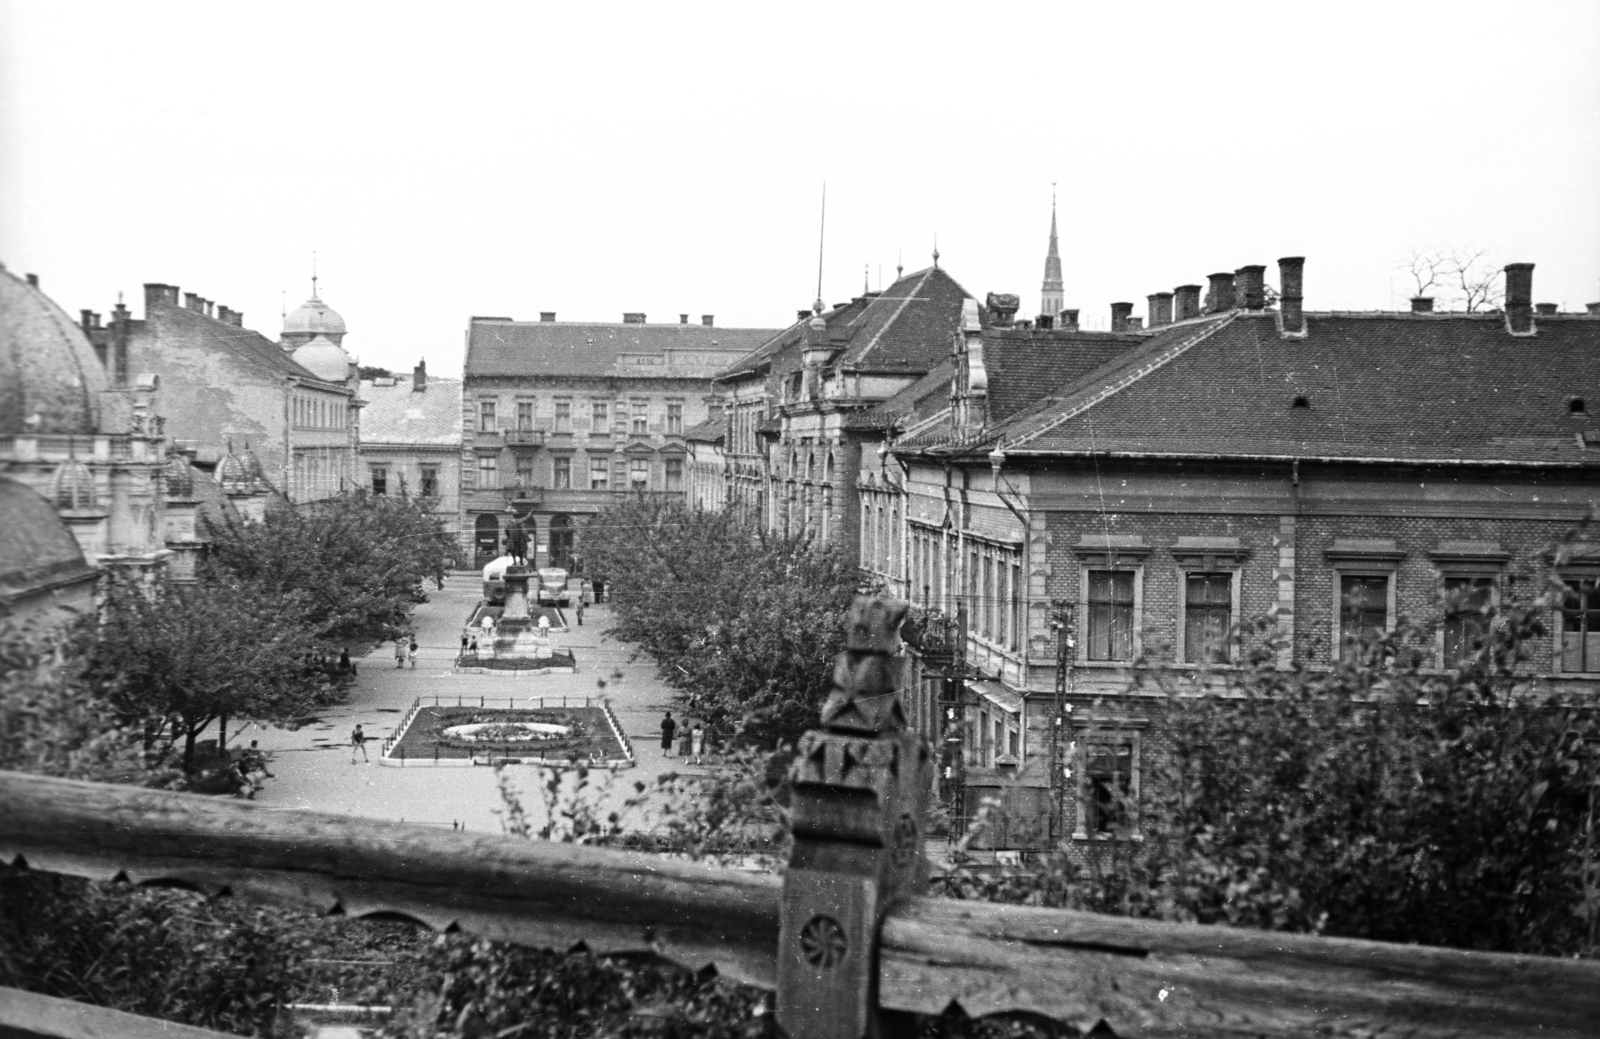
{"type": "Point", "coordinates": [745, 622]}
{"type": "Point", "coordinates": [356, 561]}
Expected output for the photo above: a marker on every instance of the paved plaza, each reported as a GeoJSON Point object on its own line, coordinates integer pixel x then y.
{"type": "Point", "coordinates": [312, 768]}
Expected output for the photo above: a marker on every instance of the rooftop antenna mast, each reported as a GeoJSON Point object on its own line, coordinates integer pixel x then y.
{"type": "Point", "coordinates": [313, 274]}
{"type": "Point", "coordinates": [821, 232]}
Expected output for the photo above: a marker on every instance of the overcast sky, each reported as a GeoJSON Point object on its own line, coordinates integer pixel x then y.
{"type": "Point", "coordinates": [668, 158]}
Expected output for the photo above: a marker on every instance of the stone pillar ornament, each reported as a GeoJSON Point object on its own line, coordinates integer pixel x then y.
{"type": "Point", "coordinates": [861, 786]}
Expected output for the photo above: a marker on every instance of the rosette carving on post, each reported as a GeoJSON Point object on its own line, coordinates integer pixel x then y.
{"type": "Point", "coordinates": [861, 785]}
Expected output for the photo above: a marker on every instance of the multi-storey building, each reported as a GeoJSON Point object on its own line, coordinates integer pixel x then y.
{"type": "Point", "coordinates": [804, 409]}
{"type": "Point", "coordinates": [561, 418]}
{"type": "Point", "coordinates": [708, 463]}
{"type": "Point", "coordinates": [411, 439]}
{"type": "Point", "coordinates": [288, 410]}
{"type": "Point", "coordinates": [1329, 471]}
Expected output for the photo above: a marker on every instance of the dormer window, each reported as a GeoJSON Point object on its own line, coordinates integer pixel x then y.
{"type": "Point", "coordinates": [1575, 406]}
{"type": "Point", "coordinates": [1301, 401]}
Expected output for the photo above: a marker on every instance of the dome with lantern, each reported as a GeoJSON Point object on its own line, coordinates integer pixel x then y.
{"type": "Point", "coordinates": [252, 464]}
{"type": "Point", "coordinates": [233, 474]}
{"type": "Point", "coordinates": [313, 318]}
{"type": "Point", "coordinates": [72, 487]}
{"type": "Point", "coordinates": [324, 358]}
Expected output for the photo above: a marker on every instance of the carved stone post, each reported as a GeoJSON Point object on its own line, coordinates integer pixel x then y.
{"type": "Point", "coordinates": [860, 789]}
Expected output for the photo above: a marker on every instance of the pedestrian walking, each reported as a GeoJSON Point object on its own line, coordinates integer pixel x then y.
{"type": "Point", "coordinates": [697, 742]}
{"type": "Point", "coordinates": [344, 659]}
{"type": "Point", "coordinates": [580, 613]}
{"type": "Point", "coordinates": [411, 653]}
{"type": "Point", "coordinates": [668, 727]}
{"type": "Point", "coordinates": [358, 739]}
{"type": "Point", "coordinates": [400, 652]}
{"type": "Point", "coordinates": [464, 641]}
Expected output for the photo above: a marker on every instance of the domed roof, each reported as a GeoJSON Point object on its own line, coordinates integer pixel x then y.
{"type": "Point", "coordinates": [232, 473]}
{"type": "Point", "coordinates": [314, 316]}
{"type": "Point", "coordinates": [324, 358]}
{"type": "Point", "coordinates": [179, 477]}
{"type": "Point", "coordinates": [252, 464]}
{"type": "Point", "coordinates": [72, 487]}
{"type": "Point", "coordinates": [36, 548]}
{"type": "Point", "coordinates": [50, 379]}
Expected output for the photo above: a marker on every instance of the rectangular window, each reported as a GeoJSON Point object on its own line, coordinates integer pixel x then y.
{"type": "Point", "coordinates": [563, 472]}
{"type": "Point", "coordinates": [639, 474]}
{"type": "Point", "coordinates": [601, 412]}
{"type": "Point", "coordinates": [1110, 621]}
{"type": "Point", "coordinates": [1016, 606]}
{"type": "Point", "coordinates": [1466, 625]}
{"type": "Point", "coordinates": [486, 416]}
{"type": "Point", "coordinates": [1208, 617]}
{"type": "Point", "coordinates": [563, 416]}
{"type": "Point", "coordinates": [641, 417]}
{"type": "Point", "coordinates": [674, 474]}
{"type": "Point", "coordinates": [430, 481]}
{"type": "Point", "coordinates": [380, 479]}
{"type": "Point", "coordinates": [674, 419]}
{"type": "Point", "coordinates": [1580, 625]}
{"type": "Point", "coordinates": [1363, 613]}
{"type": "Point", "coordinates": [1108, 782]}
{"type": "Point", "coordinates": [524, 415]}
{"type": "Point", "coordinates": [599, 474]}
{"type": "Point", "coordinates": [488, 472]}
{"type": "Point", "coordinates": [524, 470]}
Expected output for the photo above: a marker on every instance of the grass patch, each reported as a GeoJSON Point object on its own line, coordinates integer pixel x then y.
{"type": "Point", "coordinates": [591, 734]}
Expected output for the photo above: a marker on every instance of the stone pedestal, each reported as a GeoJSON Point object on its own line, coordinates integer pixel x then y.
{"type": "Point", "coordinates": [516, 609]}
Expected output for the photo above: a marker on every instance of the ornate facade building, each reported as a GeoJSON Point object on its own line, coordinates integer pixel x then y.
{"type": "Point", "coordinates": [561, 418]}
{"type": "Point", "coordinates": [1157, 491]}
{"type": "Point", "coordinates": [804, 410]}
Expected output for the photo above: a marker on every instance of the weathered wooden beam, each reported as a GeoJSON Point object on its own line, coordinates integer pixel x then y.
{"type": "Point", "coordinates": [1154, 980]}
{"type": "Point", "coordinates": [533, 893]}
{"type": "Point", "coordinates": [28, 1015]}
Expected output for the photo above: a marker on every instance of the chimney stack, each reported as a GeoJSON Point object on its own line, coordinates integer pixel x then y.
{"type": "Point", "coordinates": [1219, 296]}
{"type": "Point", "coordinates": [33, 280]}
{"type": "Point", "coordinates": [1045, 322]}
{"type": "Point", "coordinates": [708, 320]}
{"type": "Point", "coordinates": [1069, 320]}
{"type": "Point", "coordinates": [1002, 308]}
{"type": "Point", "coordinates": [1519, 298]}
{"type": "Point", "coordinates": [683, 319]}
{"type": "Point", "coordinates": [547, 315]}
{"type": "Point", "coordinates": [1421, 304]}
{"type": "Point", "coordinates": [1594, 308]}
{"type": "Point", "coordinates": [86, 319]}
{"type": "Point", "coordinates": [1252, 292]}
{"type": "Point", "coordinates": [419, 377]}
{"type": "Point", "coordinates": [1119, 316]}
{"type": "Point", "coordinates": [633, 318]}
{"type": "Point", "coordinates": [1159, 306]}
{"type": "Point", "coordinates": [1186, 302]}
{"type": "Point", "coordinates": [1544, 308]}
{"type": "Point", "coordinates": [191, 300]}
{"type": "Point", "coordinates": [1135, 324]}
{"type": "Point", "coordinates": [1291, 287]}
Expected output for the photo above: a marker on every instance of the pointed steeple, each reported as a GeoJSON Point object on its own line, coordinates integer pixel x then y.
{"type": "Point", "coordinates": [1051, 293]}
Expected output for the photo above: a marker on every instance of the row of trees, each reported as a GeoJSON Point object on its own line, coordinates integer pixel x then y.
{"type": "Point", "coordinates": [253, 637]}
{"type": "Point", "coordinates": [746, 623]}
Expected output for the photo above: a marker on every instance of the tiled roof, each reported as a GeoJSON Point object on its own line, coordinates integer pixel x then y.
{"type": "Point", "coordinates": [1389, 386]}
{"type": "Point", "coordinates": [921, 399]}
{"type": "Point", "coordinates": [398, 414]}
{"type": "Point", "coordinates": [1025, 365]}
{"type": "Point", "coordinates": [905, 328]}
{"type": "Point", "coordinates": [529, 348]}
{"type": "Point", "coordinates": [708, 432]}
{"type": "Point", "coordinates": [250, 346]}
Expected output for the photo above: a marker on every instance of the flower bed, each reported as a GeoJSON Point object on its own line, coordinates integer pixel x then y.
{"type": "Point", "coordinates": [507, 734]}
{"type": "Point", "coordinates": [557, 659]}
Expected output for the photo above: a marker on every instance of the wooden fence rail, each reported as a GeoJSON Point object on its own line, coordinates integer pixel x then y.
{"type": "Point", "coordinates": [845, 935]}
{"type": "Point", "coordinates": [1143, 978]}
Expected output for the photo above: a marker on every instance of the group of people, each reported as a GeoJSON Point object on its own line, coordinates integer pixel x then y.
{"type": "Point", "coordinates": [405, 651]}
{"type": "Point", "coordinates": [696, 739]}
{"type": "Point", "coordinates": [244, 766]}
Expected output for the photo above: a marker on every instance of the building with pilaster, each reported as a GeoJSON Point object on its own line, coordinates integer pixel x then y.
{"type": "Point", "coordinates": [560, 419]}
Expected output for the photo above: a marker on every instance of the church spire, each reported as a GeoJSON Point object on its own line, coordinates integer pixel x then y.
{"type": "Point", "coordinates": [1051, 296]}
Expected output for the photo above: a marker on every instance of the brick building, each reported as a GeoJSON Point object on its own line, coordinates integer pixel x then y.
{"type": "Point", "coordinates": [411, 439]}
{"type": "Point", "coordinates": [1331, 471]}
{"type": "Point", "coordinates": [288, 410]}
{"type": "Point", "coordinates": [561, 418]}
{"type": "Point", "coordinates": [804, 410]}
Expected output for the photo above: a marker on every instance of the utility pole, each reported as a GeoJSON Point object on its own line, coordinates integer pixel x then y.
{"type": "Point", "coordinates": [1064, 623]}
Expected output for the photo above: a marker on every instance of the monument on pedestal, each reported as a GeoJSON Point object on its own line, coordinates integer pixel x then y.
{"type": "Point", "coordinates": [517, 636]}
